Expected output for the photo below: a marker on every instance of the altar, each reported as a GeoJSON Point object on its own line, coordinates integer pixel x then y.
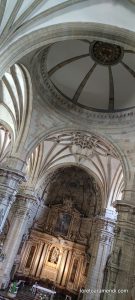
{"type": "Point", "coordinates": [42, 293]}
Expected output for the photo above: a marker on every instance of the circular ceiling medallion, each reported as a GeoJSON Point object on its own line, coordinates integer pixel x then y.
{"type": "Point", "coordinates": [105, 53]}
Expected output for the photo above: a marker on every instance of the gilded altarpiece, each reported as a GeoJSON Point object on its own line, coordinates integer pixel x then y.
{"type": "Point", "coordinates": [55, 253]}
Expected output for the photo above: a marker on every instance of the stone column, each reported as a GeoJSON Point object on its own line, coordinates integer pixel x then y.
{"type": "Point", "coordinates": [10, 179]}
{"type": "Point", "coordinates": [101, 242]}
{"type": "Point", "coordinates": [17, 229]}
{"type": "Point", "coordinates": [121, 268]}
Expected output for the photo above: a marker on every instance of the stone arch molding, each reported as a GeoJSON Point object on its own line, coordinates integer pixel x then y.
{"type": "Point", "coordinates": [82, 149]}
{"type": "Point", "coordinates": [63, 31]}
{"type": "Point", "coordinates": [63, 189]}
{"type": "Point", "coordinates": [50, 176]}
{"type": "Point", "coordinates": [106, 139]}
{"type": "Point", "coordinates": [20, 22]}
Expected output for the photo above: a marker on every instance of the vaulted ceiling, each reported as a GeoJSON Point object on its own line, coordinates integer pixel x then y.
{"type": "Point", "coordinates": [83, 150]}
{"type": "Point", "coordinates": [96, 73]}
{"type": "Point", "coordinates": [15, 103]}
{"type": "Point", "coordinates": [20, 18]}
{"type": "Point", "coordinates": [5, 143]}
{"type": "Point", "coordinates": [92, 74]}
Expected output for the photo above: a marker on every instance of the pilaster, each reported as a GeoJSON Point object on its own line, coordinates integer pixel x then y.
{"type": "Point", "coordinates": [121, 266]}
{"type": "Point", "coordinates": [9, 184]}
{"type": "Point", "coordinates": [22, 211]}
{"type": "Point", "coordinates": [100, 248]}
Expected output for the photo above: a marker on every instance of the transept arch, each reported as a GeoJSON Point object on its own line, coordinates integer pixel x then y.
{"type": "Point", "coordinates": [84, 150]}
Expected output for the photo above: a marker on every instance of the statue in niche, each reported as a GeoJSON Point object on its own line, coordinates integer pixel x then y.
{"type": "Point", "coordinates": [62, 223]}
{"type": "Point", "coordinates": [67, 202]}
{"type": "Point", "coordinates": [54, 255]}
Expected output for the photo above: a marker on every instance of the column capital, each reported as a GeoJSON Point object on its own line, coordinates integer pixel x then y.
{"type": "Point", "coordinates": [26, 198]}
{"type": "Point", "coordinates": [123, 206]}
{"type": "Point", "coordinates": [9, 182]}
{"type": "Point", "coordinates": [14, 163]}
{"type": "Point", "coordinates": [103, 228]}
{"type": "Point", "coordinates": [125, 220]}
{"type": "Point", "coordinates": [129, 192]}
{"type": "Point", "coordinates": [12, 174]}
{"type": "Point", "coordinates": [107, 216]}
{"type": "Point", "coordinates": [23, 205]}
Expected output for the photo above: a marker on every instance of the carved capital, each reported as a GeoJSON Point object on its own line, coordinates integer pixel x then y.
{"type": "Point", "coordinates": [7, 175]}
{"type": "Point", "coordinates": [126, 211]}
{"type": "Point", "coordinates": [26, 198]}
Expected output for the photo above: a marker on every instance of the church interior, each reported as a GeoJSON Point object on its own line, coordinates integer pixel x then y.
{"type": "Point", "coordinates": [67, 149]}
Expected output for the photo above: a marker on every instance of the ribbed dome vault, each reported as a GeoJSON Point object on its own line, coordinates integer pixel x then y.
{"type": "Point", "coordinates": [94, 75]}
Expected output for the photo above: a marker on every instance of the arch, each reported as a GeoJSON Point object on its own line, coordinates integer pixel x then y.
{"type": "Point", "coordinates": [9, 128]}
{"type": "Point", "coordinates": [64, 31]}
{"type": "Point", "coordinates": [6, 117]}
{"type": "Point", "coordinates": [64, 182]}
{"type": "Point", "coordinates": [62, 155]}
{"type": "Point", "coordinates": [45, 135]}
{"type": "Point", "coordinates": [84, 168]}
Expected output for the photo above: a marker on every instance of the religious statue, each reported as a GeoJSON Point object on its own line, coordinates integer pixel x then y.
{"type": "Point", "coordinates": [62, 224]}
{"type": "Point", "coordinates": [67, 202]}
{"type": "Point", "coordinates": [54, 255]}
